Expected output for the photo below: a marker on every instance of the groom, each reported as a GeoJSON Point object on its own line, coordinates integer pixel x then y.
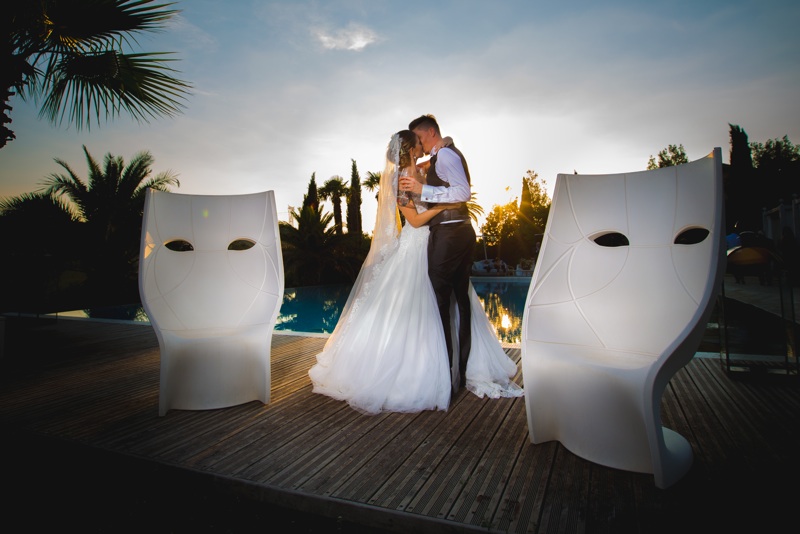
{"type": "Point", "coordinates": [452, 237]}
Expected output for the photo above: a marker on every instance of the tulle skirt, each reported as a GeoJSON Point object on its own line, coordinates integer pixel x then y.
{"type": "Point", "coordinates": [389, 353]}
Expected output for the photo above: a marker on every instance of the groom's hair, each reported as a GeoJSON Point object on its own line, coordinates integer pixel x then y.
{"type": "Point", "coordinates": [425, 121]}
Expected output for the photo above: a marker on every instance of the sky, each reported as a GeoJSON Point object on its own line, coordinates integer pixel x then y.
{"type": "Point", "coordinates": [284, 90]}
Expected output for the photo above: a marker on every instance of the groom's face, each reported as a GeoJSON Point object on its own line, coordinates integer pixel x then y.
{"type": "Point", "coordinates": [426, 137]}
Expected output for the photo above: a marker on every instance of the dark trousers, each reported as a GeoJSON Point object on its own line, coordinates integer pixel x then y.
{"type": "Point", "coordinates": [450, 249]}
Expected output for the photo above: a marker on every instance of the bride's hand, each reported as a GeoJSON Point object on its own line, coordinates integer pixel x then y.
{"type": "Point", "coordinates": [446, 141]}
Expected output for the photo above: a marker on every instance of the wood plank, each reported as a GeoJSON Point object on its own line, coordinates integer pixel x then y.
{"type": "Point", "coordinates": [405, 433]}
{"type": "Point", "coordinates": [471, 468]}
{"type": "Point", "coordinates": [437, 496]}
{"type": "Point", "coordinates": [357, 456]}
{"type": "Point", "coordinates": [732, 417]}
{"type": "Point", "coordinates": [478, 504]}
{"type": "Point", "coordinates": [523, 499]}
{"type": "Point", "coordinates": [708, 444]}
{"type": "Point", "coordinates": [401, 488]}
{"type": "Point", "coordinates": [566, 500]}
{"type": "Point", "coordinates": [612, 505]}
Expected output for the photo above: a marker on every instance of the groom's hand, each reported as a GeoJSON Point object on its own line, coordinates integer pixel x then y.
{"type": "Point", "coordinates": [410, 184]}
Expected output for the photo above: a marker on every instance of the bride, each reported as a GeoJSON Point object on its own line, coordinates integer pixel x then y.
{"type": "Point", "coordinates": [388, 352]}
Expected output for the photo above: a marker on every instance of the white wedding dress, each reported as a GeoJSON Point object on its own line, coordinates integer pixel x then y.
{"type": "Point", "coordinates": [388, 351]}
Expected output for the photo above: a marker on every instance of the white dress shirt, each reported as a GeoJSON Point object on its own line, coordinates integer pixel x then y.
{"type": "Point", "coordinates": [451, 170]}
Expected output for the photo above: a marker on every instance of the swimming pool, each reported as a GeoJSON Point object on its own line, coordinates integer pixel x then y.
{"type": "Point", "coordinates": [315, 309]}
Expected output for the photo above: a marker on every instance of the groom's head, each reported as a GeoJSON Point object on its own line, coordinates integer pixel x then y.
{"type": "Point", "coordinates": [427, 129]}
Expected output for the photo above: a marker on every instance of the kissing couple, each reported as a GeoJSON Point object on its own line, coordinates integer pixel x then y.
{"type": "Point", "coordinates": [413, 330]}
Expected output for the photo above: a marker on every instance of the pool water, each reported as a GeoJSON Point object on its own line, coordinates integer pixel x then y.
{"type": "Point", "coordinates": [315, 309]}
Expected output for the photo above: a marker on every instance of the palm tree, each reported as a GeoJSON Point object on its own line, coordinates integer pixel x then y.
{"type": "Point", "coordinates": [86, 233]}
{"type": "Point", "coordinates": [110, 203]}
{"type": "Point", "coordinates": [112, 193]}
{"type": "Point", "coordinates": [312, 251]}
{"type": "Point", "coordinates": [373, 182]}
{"type": "Point", "coordinates": [334, 189]}
{"type": "Point", "coordinates": [473, 208]}
{"type": "Point", "coordinates": [70, 53]}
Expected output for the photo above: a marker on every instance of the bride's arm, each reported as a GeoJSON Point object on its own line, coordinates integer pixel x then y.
{"type": "Point", "coordinates": [418, 219]}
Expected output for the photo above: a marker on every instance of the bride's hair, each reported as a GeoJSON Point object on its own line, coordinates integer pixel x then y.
{"type": "Point", "coordinates": [408, 140]}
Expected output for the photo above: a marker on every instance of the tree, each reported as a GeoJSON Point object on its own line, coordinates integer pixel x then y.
{"type": "Point", "coordinates": [311, 199]}
{"type": "Point", "coordinates": [534, 206]}
{"type": "Point", "coordinates": [373, 182]}
{"type": "Point", "coordinates": [741, 155]}
{"type": "Point", "coordinates": [70, 53]}
{"type": "Point", "coordinates": [512, 229]}
{"type": "Point", "coordinates": [100, 219]}
{"type": "Point", "coordinates": [354, 202]}
{"type": "Point", "coordinates": [314, 254]}
{"type": "Point", "coordinates": [776, 154]}
{"type": "Point", "coordinates": [111, 204]}
{"type": "Point", "coordinates": [668, 157]}
{"type": "Point", "coordinates": [739, 212]}
{"type": "Point", "coordinates": [334, 190]}
{"type": "Point", "coordinates": [777, 165]}
{"type": "Point", "coordinates": [500, 227]}
{"type": "Point", "coordinates": [760, 176]}
{"type": "Point", "coordinates": [39, 254]}
{"type": "Point", "coordinates": [307, 246]}
{"type": "Point", "coordinates": [474, 209]}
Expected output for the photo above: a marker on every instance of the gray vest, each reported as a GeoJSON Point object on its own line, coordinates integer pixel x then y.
{"type": "Point", "coordinates": [432, 178]}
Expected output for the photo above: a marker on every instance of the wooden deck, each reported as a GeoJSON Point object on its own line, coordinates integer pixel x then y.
{"type": "Point", "coordinates": [93, 387]}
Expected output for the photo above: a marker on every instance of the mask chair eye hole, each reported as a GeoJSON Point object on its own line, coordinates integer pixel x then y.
{"type": "Point", "coordinates": [611, 239]}
{"type": "Point", "coordinates": [691, 236]}
{"type": "Point", "coordinates": [241, 244]}
{"type": "Point", "coordinates": [179, 245]}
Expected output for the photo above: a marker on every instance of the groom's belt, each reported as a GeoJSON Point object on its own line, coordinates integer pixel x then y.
{"type": "Point", "coordinates": [455, 215]}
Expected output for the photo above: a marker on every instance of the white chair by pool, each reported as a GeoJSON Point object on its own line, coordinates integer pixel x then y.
{"type": "Point", "coordinates": [620, 296]}
{"type": "Point", "coordinates": [211, 283]}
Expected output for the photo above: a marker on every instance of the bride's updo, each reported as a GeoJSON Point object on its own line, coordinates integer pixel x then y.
{"type": "Point", "coordinates": [408, 140]}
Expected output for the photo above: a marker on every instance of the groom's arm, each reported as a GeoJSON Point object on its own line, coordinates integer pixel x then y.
{"type": "Point", "coordinates": [450, 169]}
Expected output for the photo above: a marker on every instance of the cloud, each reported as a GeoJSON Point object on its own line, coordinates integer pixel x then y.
{"type": "Point", "coordinates": [191, 35]}
{"type": "Point", "coordinates": [354, 37]}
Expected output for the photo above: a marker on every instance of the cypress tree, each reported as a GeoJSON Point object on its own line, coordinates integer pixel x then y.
{"type": "Point", "coordinates": [354, 202]}
{"type": "Point", "coordinates": [311, 199]}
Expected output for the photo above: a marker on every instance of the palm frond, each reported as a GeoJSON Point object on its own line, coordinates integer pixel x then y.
{"type": "Point", "coordinates": [161, 182]}
{"type": "Point", "coordinates": [372, 181]}
{"type": "Point", "coordinates": [136, 172]}
{"type": "Point", "coordinates": [80, 88]}
{"type": "Point", "coordinates": [71, 186]}
{"type": "Point", "coordinates": [69, 55]}
{"type": "Point", "coordinates": [92, 25]}
{"type": "Point", "coordinates": [473, 208]}
{"type": "Point", "coordinates": [40, 205]}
